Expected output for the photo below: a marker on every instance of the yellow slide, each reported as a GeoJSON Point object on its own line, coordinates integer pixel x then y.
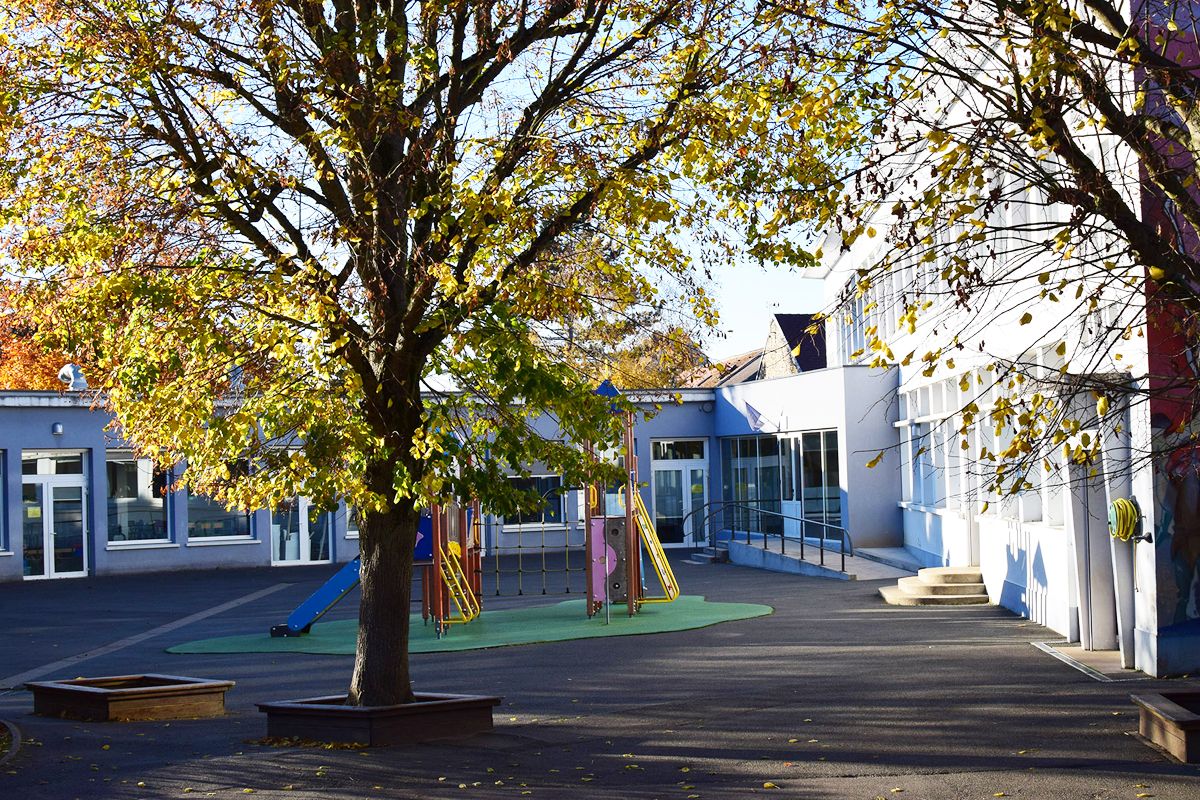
{"type": "Point", "coordinates": [657, 555]}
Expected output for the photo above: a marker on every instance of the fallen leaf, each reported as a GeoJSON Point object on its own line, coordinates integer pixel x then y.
{"type": "Point", "coordinates": [769, 785]}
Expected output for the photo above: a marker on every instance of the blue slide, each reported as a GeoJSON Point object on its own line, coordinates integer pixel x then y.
{"type": "Point", "coordinates": [301, 620]}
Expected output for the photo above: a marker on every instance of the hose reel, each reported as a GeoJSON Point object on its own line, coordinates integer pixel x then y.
{"type": "Point", "coordinates": [1125, 521]}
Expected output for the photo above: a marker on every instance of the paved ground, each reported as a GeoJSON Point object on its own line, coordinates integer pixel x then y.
{"type": "Point", "coordinates": [836, 695]}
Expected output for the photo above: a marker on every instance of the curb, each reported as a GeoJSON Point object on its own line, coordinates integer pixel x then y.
{"type": "Point", "coordinates": [16, 742]}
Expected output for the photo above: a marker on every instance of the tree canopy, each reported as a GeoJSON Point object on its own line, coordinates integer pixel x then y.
{"type": "Point", "coordinates": [1028, 165]}
{"type": "Point", "coordinates": [324, 238]}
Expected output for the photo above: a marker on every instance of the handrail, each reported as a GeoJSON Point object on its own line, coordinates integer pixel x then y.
{"type": "Point", "coordinates": [846, 542]}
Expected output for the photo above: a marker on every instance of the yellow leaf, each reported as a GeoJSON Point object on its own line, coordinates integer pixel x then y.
{"type": "Point", "coordinates": [1026, 318]}
{"type": "Point", "coordinates": [769, 785]}
{"type": "Point", "coordinates": [874, 461]}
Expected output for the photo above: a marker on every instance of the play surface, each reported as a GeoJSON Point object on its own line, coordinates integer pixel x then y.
{"type": "Point", "coordinates": [556, 623]}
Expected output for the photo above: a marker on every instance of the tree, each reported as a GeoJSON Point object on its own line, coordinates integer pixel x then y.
{"type": "Point", "coordinates": [305, 246]}
{"type": "Point", "coordinates": [24, 365]}
{"type": "Point", "coordinates": [1021, 167]}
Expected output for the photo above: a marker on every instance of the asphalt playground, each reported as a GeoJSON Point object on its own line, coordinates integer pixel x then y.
{"type": "Point", "coordinates": [834, 695]}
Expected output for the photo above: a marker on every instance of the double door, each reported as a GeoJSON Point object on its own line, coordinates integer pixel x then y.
{"type": "Point", "coordinates": [54, 526]}
{"type": "Point", "coordinates": [679, 498]}
{"type": "Point", "coordinates": [300, 533]}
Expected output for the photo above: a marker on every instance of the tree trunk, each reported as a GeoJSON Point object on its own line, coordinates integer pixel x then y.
{"type": "Point", "coordinates": [386, 541]}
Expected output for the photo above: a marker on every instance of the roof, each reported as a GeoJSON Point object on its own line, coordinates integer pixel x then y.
{"type": "Point", "coordinates": [808, 349]}
{"type": "Point", "coordinates": [736, 369]}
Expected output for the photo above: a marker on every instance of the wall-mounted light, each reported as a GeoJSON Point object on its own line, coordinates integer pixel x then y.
{"type": "Point", "coordinates": [706, 406]}
{"type": "Point", "coordinates": [56, 429]}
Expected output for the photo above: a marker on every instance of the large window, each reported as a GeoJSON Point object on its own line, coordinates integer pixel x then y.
{"type": "Point", "coordinates": [208, 519]}
{"type": "Point", "coordinates": [751, 476]}
{"type": "Point", "coordinates": [137, 499]}
{"type": "Point", "coordinates": [819, 477]}
{"type": "Point", "coordinates": [759, 472]}
{"type": "Point", "coordinates": [548, 488]}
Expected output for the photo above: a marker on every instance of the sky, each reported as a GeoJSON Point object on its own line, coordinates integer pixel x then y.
{"type": "Point", "coordinates": [746, 295]}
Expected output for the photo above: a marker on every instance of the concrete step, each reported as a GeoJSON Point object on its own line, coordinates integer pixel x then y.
{"type": "Point", "coordinates": [919, 587]}
{"type": "Point", "coordinates": [950, 575]}
{"type": "Point", "coordinates": [709, 555]}
{"type": "Point", "coordinates": [896, 596]}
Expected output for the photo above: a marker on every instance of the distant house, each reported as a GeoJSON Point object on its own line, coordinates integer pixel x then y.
{"type": "Point", "coordinates": [790, 349]}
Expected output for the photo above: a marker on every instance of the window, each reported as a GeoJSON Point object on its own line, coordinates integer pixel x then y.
{"type": "Point", "coordinates": [4, 546]}
{"type": "Point", "coordinates": [51, 463]}
{"type": "Point", "coordinates": [785, 469]}
{"type": "Point", "coordinates": [351, 522]}
{"type": "Point", "coordinates": [757, 473]}
{"type": "Point", "coordinates": [209, 519]}
{"type": "Point", "coordinates": [820, 477]}
{"type": "Point", "coordinates": [676, 450]}
{"type": "Point", "coordinates": [547, 487]}
{"type": "Point", "coordinates": [137, 499]}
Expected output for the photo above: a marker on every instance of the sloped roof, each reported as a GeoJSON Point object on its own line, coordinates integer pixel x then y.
{"type": "Point", "coordinates": [808, 349]}
{"type": "Point", "coordinates": [737, 369]}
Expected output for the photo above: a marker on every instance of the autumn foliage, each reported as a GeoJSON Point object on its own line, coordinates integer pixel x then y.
{"type": "Point", "coordinates": [26, 365]}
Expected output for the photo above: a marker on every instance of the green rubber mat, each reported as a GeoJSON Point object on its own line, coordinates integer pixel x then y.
{"type": "Point", "coordinates": [558, 623]}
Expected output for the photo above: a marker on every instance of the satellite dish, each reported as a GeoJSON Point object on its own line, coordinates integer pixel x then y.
{"type": "Point", "coordinates": [72, 376]}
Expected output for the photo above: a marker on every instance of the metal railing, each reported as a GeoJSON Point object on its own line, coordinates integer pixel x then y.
{"type": "Point", "coordinates": [845, 544]}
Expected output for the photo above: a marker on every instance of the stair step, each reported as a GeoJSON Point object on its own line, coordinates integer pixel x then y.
{"type": "Point", "coordinates": [917, 586]}
{"type": "Point", "coordinates": [950, 575]}
{"type": "Point", "coordinates": [709, 555]}
{"type": "Point", "coordinates": [896, 596]}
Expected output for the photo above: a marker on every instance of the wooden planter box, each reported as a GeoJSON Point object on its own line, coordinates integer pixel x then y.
{"type": "Point", "coordinates": [432, 716]}
{"type": "Point", "coordinates": [130, 697]}
{"type": "Point", "coordinates": [1172, 721]}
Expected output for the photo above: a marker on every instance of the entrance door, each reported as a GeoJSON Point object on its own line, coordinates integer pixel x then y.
{"type": "Point", "coordinates": [299, 533]}
{"type": "Point", "coordinates": [679, 491]}
{"type": "Point", "coordinates": [680, 488]}
{"type": "Point", "coordinates": [54, 524]}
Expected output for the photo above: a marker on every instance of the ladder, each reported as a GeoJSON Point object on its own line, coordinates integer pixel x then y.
{"type": "Point", "coordinates": [657, 555]}
{"type": "Point", "coordinates": [455, 581]}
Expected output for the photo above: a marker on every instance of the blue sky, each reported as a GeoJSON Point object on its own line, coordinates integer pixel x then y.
{"type": "Point", "coordinates": [747, 294]}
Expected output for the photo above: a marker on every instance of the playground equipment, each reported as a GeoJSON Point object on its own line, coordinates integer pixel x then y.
{"type": "Point", "coordinates": [446, 553]}
{"type": "Point", "coordinates": [615, 537]}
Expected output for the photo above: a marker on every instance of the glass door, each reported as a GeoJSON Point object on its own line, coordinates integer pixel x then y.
{"type": "Point", "coordinates": [695, 523]}
{"type": "Point", "coordinates": [54, 529]}
{"type": "Point", "coordinates": [668, 505]}
{"type": "Point", "coordinates": [299, 533]}
{"type": "Point", "coordinates": [285, 532]}
{"type": "Point", "coordinates": [678, 492]}
{"type": "Point", "coordinates": [680, 470]}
